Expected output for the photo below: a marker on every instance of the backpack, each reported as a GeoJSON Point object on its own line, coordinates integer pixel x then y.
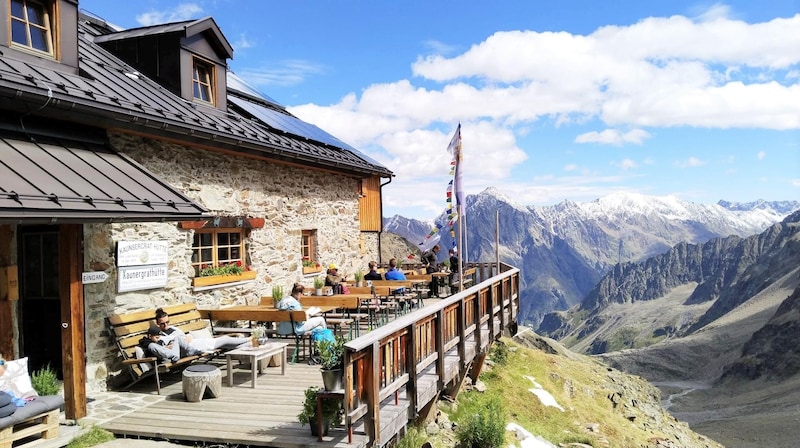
{"type": "Point", "coordinates": [322, 335]}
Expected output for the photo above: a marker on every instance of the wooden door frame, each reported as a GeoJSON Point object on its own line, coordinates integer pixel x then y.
{"type": "Point", "coordinates": [73, 340]}
{"type": "Point", "coordinates": [7, 307]}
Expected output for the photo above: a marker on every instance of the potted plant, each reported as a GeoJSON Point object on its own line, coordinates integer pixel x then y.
{"type": "Point", "coordinates": [258, 332]}
{"type": "Point", "coordinates": [359, 277]}
{"type": "Point", "coordinates": [331, 412]}
{"type": "Point", "coordinates": [331, 355]}
{"type": "Point", "coordinates": [277, 295]}
{"type": "Point", "coordinates": [319, 283]}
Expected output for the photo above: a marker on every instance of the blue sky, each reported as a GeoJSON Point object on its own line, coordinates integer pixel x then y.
{"type": "Point", "coordinates": [557, 99]}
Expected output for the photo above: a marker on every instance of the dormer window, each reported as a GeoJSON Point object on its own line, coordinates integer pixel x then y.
{"type": "Point", "coordinates": [203, 81]}
{"type": "Point", "coordinates": [31, 25]}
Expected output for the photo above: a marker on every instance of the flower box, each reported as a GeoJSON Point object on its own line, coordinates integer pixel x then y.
{"type": "Point", "coordinates": [220, 279]}
{"type": "Point", "coordinates": [311, 269]}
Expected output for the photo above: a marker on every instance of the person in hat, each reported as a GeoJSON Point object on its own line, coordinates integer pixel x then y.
{"type": "Point", "coordinates": [152, 345]}
{"type": "Point", "coordinates": [333, 278]}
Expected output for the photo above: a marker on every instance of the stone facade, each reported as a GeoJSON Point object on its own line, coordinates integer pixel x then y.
{"type": "Point", "coordinates": [290, 198]}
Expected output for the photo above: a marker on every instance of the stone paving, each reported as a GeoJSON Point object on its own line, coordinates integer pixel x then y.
{"type": "Point", "coordinates": [104, 406]}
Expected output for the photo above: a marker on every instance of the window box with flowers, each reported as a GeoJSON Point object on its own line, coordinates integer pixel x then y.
{"type": "Point", "coordinates": [226, 273]}
{"type": "Point", "coordinates": [311, 266]}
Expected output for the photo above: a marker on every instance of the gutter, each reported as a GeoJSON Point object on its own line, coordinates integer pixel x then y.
{"type": "Point", "coordinates": [380, 232]}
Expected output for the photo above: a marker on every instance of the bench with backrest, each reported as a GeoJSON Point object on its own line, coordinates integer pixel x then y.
{"type": "Point", "coordinates": [277, 316]}
{"type": "Point", "coordinates": [128, 328]}
{"type": "Point", "coordinates": [348, 305]}
{"type": "Point", "coordinates": [468, 278]}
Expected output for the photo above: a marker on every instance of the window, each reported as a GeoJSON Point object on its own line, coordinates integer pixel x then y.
{"type": "Point", "coordinates": [308, 250]}
{"type": "Point", "coordinates": [203, 81]}
{"type": "Point", "coordinates": [217, 247]}
{"type": "Point", "coordinates": [31, 25]}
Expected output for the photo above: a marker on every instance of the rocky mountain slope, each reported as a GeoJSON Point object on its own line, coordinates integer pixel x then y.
{"type": "Point", "coordinates": [565, 249]}
{"type": "Point", "coordinates": [716, 326]}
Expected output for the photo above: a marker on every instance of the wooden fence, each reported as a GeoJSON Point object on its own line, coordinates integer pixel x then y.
{"type": "Point", "coordinates": [395, 373]}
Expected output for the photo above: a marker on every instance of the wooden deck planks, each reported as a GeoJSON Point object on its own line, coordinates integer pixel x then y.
{"type": "Point", "coordinates": [264, 416]}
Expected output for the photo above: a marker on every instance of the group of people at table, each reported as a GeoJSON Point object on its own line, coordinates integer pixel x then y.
{"type": "Point", "coordinates": [169, 343]}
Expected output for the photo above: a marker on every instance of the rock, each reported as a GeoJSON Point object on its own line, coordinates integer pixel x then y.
{"type": "Point", "coordinates": [432, 429]}
{"type": "Point", "coordinates": [480, 386]}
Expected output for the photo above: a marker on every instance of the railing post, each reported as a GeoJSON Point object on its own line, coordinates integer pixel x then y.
{"type": "Point", "coordinates": [411, 369]}
{"type": "Point", "coordinates": [462, 335]}
{"type": "Point", "coordinates": [440, 324]}
{"type": "Point", "coordinates": [373, 423]}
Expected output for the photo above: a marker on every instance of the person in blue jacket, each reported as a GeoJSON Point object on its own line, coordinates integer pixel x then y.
{"type": "Point", "coordinates": [393, 273]}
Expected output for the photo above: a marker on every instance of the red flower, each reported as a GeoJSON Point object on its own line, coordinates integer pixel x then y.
{"type": "Point", "coordinates": [238, 262]}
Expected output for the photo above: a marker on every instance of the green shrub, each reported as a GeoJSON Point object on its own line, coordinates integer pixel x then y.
{"type": "Point", "coordinates": [486, 428]}
{"type": "Point", "coordinates": [414, 438]}
{"type": "Point", "coordinates": [499, 353]}
{"type": "Point", "coordinates": [94, 436]}
{"type": "Point", "coordinates": [45, 381]}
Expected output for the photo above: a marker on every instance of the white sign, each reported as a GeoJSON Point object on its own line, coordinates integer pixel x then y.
{"type": "Point", "coordinates": [136, 278]}
{"type": "Point", "coordinates": [141, 253]}
{"type": "Point", "coordinates": [93, 277]}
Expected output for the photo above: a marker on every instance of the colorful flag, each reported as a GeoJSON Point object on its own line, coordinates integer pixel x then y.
{"type": "Point", "coordinates": [454, 148]}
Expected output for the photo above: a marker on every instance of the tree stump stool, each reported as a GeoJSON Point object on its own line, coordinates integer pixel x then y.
{"type": "Point", "coordinates": [199, 379]}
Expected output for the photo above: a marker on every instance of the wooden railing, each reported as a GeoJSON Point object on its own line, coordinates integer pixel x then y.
{"type": "Point", "coordinates": [395, 372]}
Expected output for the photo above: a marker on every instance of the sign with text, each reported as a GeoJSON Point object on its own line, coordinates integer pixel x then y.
{"type": "Point", "coordinates": [93, 277]}
{"type": "Point", "coordinates": [136, 278]}
{"type": "Point", "coordinates": [142, 253]}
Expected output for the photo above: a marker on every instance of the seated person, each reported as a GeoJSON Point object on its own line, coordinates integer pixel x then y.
{"type": "Point", "coordinates": [393, 273]}
{"type": "Point", "coordinates": [172, 336]}
{"type": "Point", "coordinates": [453, 266]}
{"type": "Point", "coordinates": [218, 342]}
{"type": "Point", "coordinates": [292, 303]}
{"type": "Point", "coordinates": [153, 345]}
{"type": "Point", "coordinates": [373, 273]}
{"type": "Point", "coordinates": [333, 279]}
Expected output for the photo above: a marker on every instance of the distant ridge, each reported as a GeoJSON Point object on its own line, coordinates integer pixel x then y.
{"type": "Point", "coordinates": [565, 249]}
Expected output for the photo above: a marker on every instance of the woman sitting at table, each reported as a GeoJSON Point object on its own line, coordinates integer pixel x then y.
{"type": "Point", "coordinates": [292, 303]}
{"type": "Point", "coordinates": [373, 273]}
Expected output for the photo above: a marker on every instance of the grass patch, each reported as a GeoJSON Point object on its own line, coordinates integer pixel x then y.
{"type": "Point", "coordinates": [94, 436]}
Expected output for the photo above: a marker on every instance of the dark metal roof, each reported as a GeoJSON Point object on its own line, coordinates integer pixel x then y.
{"type": "Point", "coordinates": [52, 180]}
{"type": "Point", "coordinates": [111, 94]}
{"type": "Point", "coordinates": [187, 28]}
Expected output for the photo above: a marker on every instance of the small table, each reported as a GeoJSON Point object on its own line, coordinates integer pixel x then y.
{"type": "Point", "coordinates": [199, 379]}
{"type": "Point", "coordinates": [330, 394]}
{"type": "Point", "coordinates": [255, 355]}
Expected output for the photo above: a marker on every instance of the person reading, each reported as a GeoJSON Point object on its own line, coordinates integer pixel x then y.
{"type": "Point", "coordinates": [292, 303]}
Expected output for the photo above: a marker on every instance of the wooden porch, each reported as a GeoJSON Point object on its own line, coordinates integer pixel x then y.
{"type": "Point", "coordinates": [393, 376]}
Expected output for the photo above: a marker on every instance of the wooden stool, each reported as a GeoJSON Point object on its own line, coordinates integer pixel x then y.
{"type": "Point", "coordinates": [199, 379]}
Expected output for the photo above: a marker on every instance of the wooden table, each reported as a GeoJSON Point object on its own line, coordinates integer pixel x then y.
{"type": "Point", "coordinates": [261, 313]}
{"type": "Point", "coordinates": [255, 355]}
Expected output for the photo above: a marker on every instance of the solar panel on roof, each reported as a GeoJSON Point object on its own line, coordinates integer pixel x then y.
{"type": "Point", "coordinates": [234, 82]}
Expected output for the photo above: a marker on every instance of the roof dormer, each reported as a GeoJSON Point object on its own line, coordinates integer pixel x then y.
{"type": "Point", "coordinates": [41, 32]}
{"type": "Point", "coordinates": [188, 58]}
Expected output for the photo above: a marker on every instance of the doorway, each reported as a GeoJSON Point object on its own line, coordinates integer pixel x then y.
{"type": "Point", "coordinates": [40, 304]}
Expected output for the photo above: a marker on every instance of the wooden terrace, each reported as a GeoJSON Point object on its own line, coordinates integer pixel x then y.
{"type": "Point", "coordinates": [393, 377]}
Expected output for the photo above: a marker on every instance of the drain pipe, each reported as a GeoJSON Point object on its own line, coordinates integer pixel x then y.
{"type": "Point", "coordinates": [380, 232]}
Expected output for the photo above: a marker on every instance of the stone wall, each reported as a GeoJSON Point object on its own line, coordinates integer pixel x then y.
{"type": "Point", "coordinates": [290, 198]}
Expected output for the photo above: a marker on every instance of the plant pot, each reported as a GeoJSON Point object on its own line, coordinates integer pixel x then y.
{"type": "Point", "coordinates": [318, 291]}
{"type": "Point", "coordinates": [313, 423]}
{"type": "Point", "coordinates": [220, 279]}
{"type": "Point", "coordinates": [254, 341]}
{"type": "Point", "coordinates": [332, 379]}
{"type": "Point", "coordinates": [359, 284]}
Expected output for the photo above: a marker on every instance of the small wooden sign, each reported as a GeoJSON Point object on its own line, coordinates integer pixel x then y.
{"type": "Point", "coordinates": [9, 283]}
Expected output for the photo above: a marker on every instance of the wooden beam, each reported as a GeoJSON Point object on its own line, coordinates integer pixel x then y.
{"type": "Point", "coordinates": [7, 342]}
{"type": "Point", "coordinates": [73, 346]}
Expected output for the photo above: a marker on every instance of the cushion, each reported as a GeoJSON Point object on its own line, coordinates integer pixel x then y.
{"type": "Point", "coordinates": [138, 352]}
{"type": "Point", "coordinates": [32, 409]}
{"type": "Point", "coordinates": [201, 334]}
{"type": "Point", "coordinates": [16, 379]}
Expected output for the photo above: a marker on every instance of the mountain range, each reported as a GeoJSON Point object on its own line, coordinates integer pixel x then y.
{"type": "Point", "coordinates": [564, 250]}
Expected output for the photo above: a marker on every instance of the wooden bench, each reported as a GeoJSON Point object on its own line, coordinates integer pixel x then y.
{"type": "Point", "coordinates": [274, 315]}
{"type": "Point", "coordinates": [349, 304]}
{"type": "Point", "coordinates": [37, 420]}
{"type": "Point", "coordinates": [467, 280]}
{"type": "Point", "coordinates": [128, 328]}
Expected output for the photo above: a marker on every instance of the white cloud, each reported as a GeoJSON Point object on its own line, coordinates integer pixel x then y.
{"type": "Point", "coordinates": [711, 71]}
{"type": "Point", "coordinates": [691, 162]}
{"type": "Point", "coordinates": [243, 42]}
{"type": "Point", "coordinates": [761, 155]}
{"type": "Point", "coordinates": [613, 137]}
{"type": "Point", "coordinates": [796, 183]}
{"type": "Point", "coordinates": [183, 11]}
{"type": "Point", "coordinates": [285, 73]}
{"type": "Point", "coordinates": [571, 167]}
